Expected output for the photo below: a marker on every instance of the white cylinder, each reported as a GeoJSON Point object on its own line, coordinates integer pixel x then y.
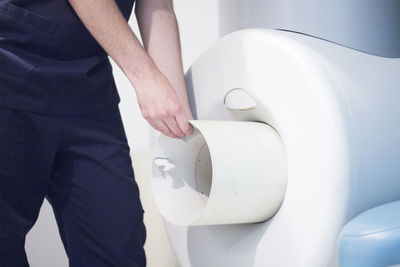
{"type": "Point", "coordinates": [226, 172]}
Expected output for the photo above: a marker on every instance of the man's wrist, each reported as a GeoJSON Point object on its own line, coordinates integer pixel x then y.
{"type": "Point", "coordinates": [141, 73]}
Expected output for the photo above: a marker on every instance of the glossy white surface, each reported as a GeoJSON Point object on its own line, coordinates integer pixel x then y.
{"type": "Point", "coordinates": [336, 112]}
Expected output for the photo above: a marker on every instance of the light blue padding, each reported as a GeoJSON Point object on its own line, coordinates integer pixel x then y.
{"type": "Point", "coordinates": [372, 239]}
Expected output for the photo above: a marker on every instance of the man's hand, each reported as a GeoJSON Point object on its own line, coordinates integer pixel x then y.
{"type": "Point", "coordinates": [164, 106]}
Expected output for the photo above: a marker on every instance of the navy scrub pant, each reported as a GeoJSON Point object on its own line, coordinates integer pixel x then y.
{"type": "Point", "coordinates": [81, 164]}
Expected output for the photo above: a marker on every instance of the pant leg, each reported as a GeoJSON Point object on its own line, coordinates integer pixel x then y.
{"type": "Point", "coordinates": [94, 193]}
{"type": "Point", "coordinates": [28, 142]}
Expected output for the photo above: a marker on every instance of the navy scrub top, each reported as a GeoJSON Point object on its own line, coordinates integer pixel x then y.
{"type": "Point", "coordinates": [49, 61]}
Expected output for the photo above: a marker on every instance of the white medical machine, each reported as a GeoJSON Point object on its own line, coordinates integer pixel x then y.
{"type": "Point", "coordinates": [297, 134]}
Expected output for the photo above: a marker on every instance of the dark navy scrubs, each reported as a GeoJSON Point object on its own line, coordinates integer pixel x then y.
{"type": "Point", "coordinates": [49, 62]}
{"type": "Point", "coordinates": [62, 138]}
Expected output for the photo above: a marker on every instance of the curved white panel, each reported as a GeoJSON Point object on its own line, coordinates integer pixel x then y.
{"type": "Point", "coordinates": [227, 172]}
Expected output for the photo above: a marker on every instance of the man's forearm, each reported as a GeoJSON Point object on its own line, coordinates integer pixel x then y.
{"type": "Point", "coordinates": [116, 37]}
{"type": "Point", "coordinates": [164, 107]}
{"type": "Point", "coordinates": [159, 30]}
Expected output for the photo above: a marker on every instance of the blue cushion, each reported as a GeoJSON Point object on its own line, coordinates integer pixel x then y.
{"type": "Point", "coordinates": [372, 239]}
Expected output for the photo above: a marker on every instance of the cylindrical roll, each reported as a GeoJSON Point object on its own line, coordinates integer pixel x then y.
{"type": "Point", "coordinates": [226, 172]}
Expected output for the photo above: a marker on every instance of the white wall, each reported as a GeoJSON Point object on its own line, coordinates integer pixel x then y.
{"type": "Point", "coordinates": [198, 21]}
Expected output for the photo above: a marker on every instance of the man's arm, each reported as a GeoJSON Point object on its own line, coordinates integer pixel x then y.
{"type": "Point", "coordinates": [165, 109]}
{"type": "Point", "coordinates": [160, 35]}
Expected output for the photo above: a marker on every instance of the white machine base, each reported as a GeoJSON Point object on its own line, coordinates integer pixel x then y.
{"type": "Point", "coordinates": [336, 111]}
